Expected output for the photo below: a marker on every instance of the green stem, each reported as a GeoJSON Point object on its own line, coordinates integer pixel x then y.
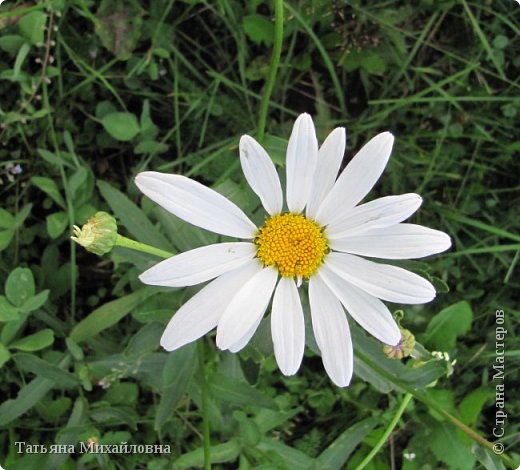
{"type": "Point", "coordinates": [205, 418]}
{"type": "Point", "coordinates": [133, 245]}
{"type": "Point", "coordinates": [275, 61]}
{"type": "Point", "coordinates": [387, 433]}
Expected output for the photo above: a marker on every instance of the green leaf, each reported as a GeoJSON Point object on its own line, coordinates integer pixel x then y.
{"type": "Point", "coordinates": [239, 393]}
{"type": "Point", "coordinates": [19, 286]}
{"type": "Point", "coordinates": [50, 188]}
{"type": "Point", "coordinates": [444, 328]}
{"type": "Point", "coordinates": [6, 219]}
{"type": "Point", "coordinates": [20, 59]}
{"type": "Point", "coordinates": [39, 367]}
{"type": "Point", "coordinates": [32, 26]}
{"type": "Point", "coordinates": [132, 217]}
{"type": "Point", "coordinates": [177, 374]}
{"type": "Point", "coordinates": [108, 315]}
{"type": "Point", "coordinates": [259, 29]}
{"type": "Point", "coordinates": [220, 453]}
{"type": "Point", "coordinates": [5, 355]}
{"type": "Point", "coordinates": [292, 458]}
{"type": "Point", "coordinates": [49, 157]}
{"type": "Point", "coordinates": [35, 342]}
{"type": "Point", "coordinates": [20, 217]}
{"type": "Point", "coordinates": [150, 146]}
{"type": "Point", "coordinates": [121, 126]}
{"type": "Point", "coordinates": [118, 26]}
{"type": "Point", "coordinates": [56, 224]}
{"type": "Point", "coordinates": [8, 312]}
{"type": "Point", "coordinates": [373, 63]}
{"type": "Point", "coordinates": [27, 397]}
{"type": "Point", "coordinates": [336, 454]}
{"type": "Point", "coordinates": [11, 43]}
{"type": "Point", "coordinates": [5, 238]}
{"type": "Point", "coordinates": [34, 303]}
{"type": "Point", "coordinates": [449, 448]}
{"type": "Point", "coordinates": [470, 407]}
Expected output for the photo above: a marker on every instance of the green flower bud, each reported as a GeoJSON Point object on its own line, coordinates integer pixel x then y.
{"type": "Point", "coordinates": [404, 348]}
{"type": "Point", "coordinates": [98, 235]}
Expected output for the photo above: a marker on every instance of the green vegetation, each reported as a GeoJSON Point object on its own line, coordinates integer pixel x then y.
{"type": "Point", "coordinates": [91, 93]}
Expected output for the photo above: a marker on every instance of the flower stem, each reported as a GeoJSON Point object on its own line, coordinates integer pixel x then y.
{"type": "Point", "coordinates": [387, 433]}
{"type": "Point", "coordinates": [133, 245]}
{"type": "Point", "coordinates": [273, 68]}
{"type": "Point", "coordinates": [204, 399]}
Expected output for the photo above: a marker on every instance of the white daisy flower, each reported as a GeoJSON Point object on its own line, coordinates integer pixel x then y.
{"type": "Point", "coordinates": [320, 239]}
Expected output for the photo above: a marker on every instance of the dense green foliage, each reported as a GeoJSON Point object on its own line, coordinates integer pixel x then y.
{"type": "Point", "coordinates": [93, 92]}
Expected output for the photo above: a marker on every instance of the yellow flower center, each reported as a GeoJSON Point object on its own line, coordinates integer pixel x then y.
{"type": "Point", "coordinates": [292, 243]}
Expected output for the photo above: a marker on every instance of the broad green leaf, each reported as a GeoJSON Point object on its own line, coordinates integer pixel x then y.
{"type": "Point", "coordinates": [176, 376]}
{"type": "Point", "coordinates": [74, 349]}
{"type": "Point", "coordinates": [291, 457]}
{"type": "Point", "coordinates": [6, 219]}
{"type": "Point", "coordinates": [132, 217]}
{"type": "Point", "coordinates": [49, 157]}
{"type": "Point", "coordinates": [8, 312]}
{"type": "Point", "coordinates": [37, 366]}
{"type": "Point", "coordinates": [34, 303]}
{"type": "Point", "coordinates": [11, 43]}
{"type": "Point", "coordinates": [19, 286]}
{"type": "Point", "coordinates": [20, 217]}
{"type": "Point", "coordinates": [336, 454]}
{"type": "Point", "coordinates": [28, 396]}
{"type": "Point", "coordinates": [5, 238]}
{"type": "Point", "coordinates": [50, 188]}
{"type": "Point", "coordinates": [108, 315]}
{"type": "Point", "coordinates": [34, 342]}
{"type": "Point", "coordinates": [121, 126]}
{"type": "Point", "coordinates": [32, 26]}
{"type": "Point", "coordinates": [470, 407]}
{"type": "Point", "coordinates": [150, 146]}
{"type": "Point", "coordinates": [220, 453]}
{"type": "Point", "coordinates": [5, 355]}
{"type": "Point", "coordinates": [373, 63]}
{"type": "Point", "coordinates": [239, 393]}
{"type": "Point", "coordinates": [20, 59]}
{"type": "Point", "coordinates": [118, 26]}
{"type": "Point", "coordinates": [56, 223]}
{"type": "Point", "coordinates": [449, 448]}
{"type": "Point", "coordinates": [259, 29]}
{"type": "Point", "coordinates": [445, 327]}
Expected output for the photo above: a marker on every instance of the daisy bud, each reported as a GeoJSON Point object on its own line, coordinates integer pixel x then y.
{"type": "Point", "coordinates": [404, 348]}
{"type": "Point", "coordinates": [98, 235]}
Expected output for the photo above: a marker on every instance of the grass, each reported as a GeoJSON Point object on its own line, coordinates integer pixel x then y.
{"type": "Point", "coordinates": [82, 360]}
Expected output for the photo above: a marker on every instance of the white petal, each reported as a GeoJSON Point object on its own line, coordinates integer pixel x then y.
{"type": "Point", "coordinates": [261, 175]}
{"type": "Point", "coordinates": [242, 342]}
{"type": "Point", "coordinates": [382, 212]}
{"type": "Point", "coordinates": [368, 311]}
{"type": "Point", "coordinates": [357, 179]}
{"type": "Point", "coordinates": [247, 306]}
{"type": "Point", "coordinates": [331, 331]}
{"type": "Point", "coordinates": [202, 312]}
{"type": "Point", "coordinates": [302, 155]}
{"type": "Point", "coordinates": [400, 241]}
{"type": "Point", "coordinates": [199, 265]}
{"type": "Point", "coordinates": [330, 157]}
{"type": "Point", "coordinates": [287, 326]}
{"type": "Point", "coordinates": [381, 280]}
{"type": "Point", "coordinates": [195, 203]}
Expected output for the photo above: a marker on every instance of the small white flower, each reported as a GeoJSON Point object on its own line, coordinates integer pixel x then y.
{"type": "Point", "coordinates": [321, 246]}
